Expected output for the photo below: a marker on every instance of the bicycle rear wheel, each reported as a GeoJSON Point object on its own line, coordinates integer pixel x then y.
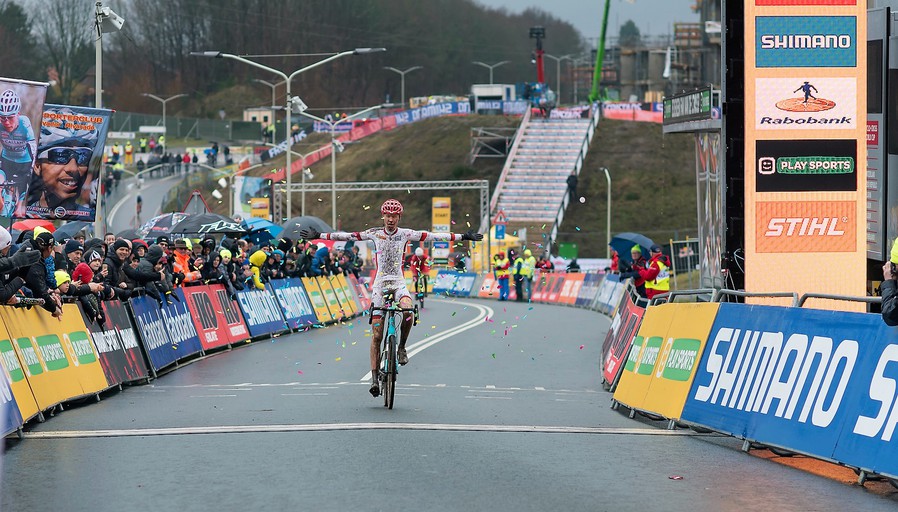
{"type": "Point", "coordinates": [390, 374]}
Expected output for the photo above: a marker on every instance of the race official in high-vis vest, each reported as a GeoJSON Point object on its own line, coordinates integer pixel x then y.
{"type": "Point", "coordinates": [658, 278]}
{"type": "Point", "coordinates": [527, 270]}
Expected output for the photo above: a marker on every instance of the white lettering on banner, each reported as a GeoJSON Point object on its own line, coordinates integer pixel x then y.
{"type": "Point", "coordinates": [259, 307]}
{"type": "Point", "coordinates": [211, 336]}
{"type": "Point", "coordinates": [129, 340]}
{"type": "Point", "coordinates": [805, 41]}
{"type": "Point", "coordinates": [12, 362]}
{"type": "Point", "coordinates": [180, 326]}
{"type": "Point", "coordinates": [622, 106]}
{"type": "Point", "coordinates": [81, 347]}
{"type": "Point", "coordinates": [294, 301]}
{"type": "Point", "coordinates": [5, 389]}
{"type": "Point", "coordinates": [754, 379]}
{"type": "Point", "coordinates": [882, 390]}
{"type": "Point", "coordinates": [30, 357]}
{"type": "Point", "coordinates": [686, 105]}
{"type": "Point", "coordinates": [51, 352]}
{"type": "Point", "coordinates": [807, 226]}
{"type": "Point", "coordinates": [154, 331]}
{"type": "Point", "coordinates": [106, 341]}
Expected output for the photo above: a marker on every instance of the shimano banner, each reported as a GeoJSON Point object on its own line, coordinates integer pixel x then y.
{"type": "Point", "coordinates": [454, 283]}
{"type": "Point", "coordinates": [818, 382]}
{"type": "Point", "coordinates": [261, 312]}
{"type": "Point", "coordinates": [294, 301]}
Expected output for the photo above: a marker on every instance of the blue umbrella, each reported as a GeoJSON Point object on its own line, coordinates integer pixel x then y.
{"type": "Point", "coordinates": [253, 224]}
{"type": "Point", "coordinates": [258, 237]}
{"type": "Point", "coordinates": [623, 243]}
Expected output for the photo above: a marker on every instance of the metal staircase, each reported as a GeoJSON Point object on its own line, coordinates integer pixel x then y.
{"type": "Point", "coordinates": [533, 185]}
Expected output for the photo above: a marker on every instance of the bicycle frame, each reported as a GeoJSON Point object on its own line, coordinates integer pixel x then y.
{"type": "Point", "coordinates": [389, 364]}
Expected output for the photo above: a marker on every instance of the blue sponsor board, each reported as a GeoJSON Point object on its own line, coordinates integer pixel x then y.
{"type": "Point", "coordinates": [609, 293]}
{"type": "Point", "coordinates": [589, 290]}
{"type": "Point", "coordinates": [454, 283]}
{"type": "Point", "coordinates": [805, 41]}
{"type": "Point", "coordinates": [812, 381]}
{"type": "Point", "coordinates": [294, 301]}
{"type": "Point", "coordinates": [10, 417]}
{"type": "Point", "coordinates": [261, 312]}
{"type": "Point", "coordinates": [158, 337]}
{"type": "Point", "coordinates": [436, 110]}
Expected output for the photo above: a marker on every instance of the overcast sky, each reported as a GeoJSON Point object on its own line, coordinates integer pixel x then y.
{"type": "Point", "coordinates": [653, 17]}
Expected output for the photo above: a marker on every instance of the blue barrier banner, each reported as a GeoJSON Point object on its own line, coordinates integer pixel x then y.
{"type": "Point", "coordinates": [813, 381]}
{"type": "Point", "coordinates": [437, 110]}
{"type": "Point", "coordinates": [261, 311]}
{"type": "Point", "coordinates": [294, 301]}
{"type": "Point", "coordinates": [609, 294]}
{"type": "Point", "coordinates": [10, 417]}
{"type": "Point", "coordinates": [589, 290]}
{"type": "Point", "coordinates": [160, 330]}
{"type": "Point", "coordinates": [454, 283]}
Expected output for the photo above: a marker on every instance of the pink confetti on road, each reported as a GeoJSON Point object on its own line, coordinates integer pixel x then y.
{"type": "Point", "coordinates": [581, 347]}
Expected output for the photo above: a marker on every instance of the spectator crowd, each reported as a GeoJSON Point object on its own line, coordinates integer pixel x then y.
{"type": "Point", "coordinates": [90, 270]}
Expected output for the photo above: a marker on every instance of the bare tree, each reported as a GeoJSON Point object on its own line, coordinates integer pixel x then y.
{"type": "Point", "coordinates": [66, 35]}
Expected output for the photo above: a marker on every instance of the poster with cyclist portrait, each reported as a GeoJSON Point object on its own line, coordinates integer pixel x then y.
{"type": "Point", "coordinates": [66, 177]}
{"type": "Point", "coordinates": [21, 104]}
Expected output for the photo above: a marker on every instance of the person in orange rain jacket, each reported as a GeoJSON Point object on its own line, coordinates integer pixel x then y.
{"type": "Point", "coordinates": [181, 266]}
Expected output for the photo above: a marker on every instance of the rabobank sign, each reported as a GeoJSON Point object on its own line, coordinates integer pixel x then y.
{"type": "Point", "coordinates": [806, 41]}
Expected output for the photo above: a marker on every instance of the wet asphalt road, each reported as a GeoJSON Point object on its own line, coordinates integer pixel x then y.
{"type": "Point", "coordinates": [508, 414]}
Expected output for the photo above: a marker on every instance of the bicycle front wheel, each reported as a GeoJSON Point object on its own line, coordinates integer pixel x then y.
{"type": "Point", "coordinates": [390, 374]}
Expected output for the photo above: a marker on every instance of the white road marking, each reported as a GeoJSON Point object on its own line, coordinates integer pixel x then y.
{"type": "Point", "coordinates": [211, 396]}
{"type": "Point", "coordinates": [539, 388]}
{"type": "Point", "coordinates": [304, 394]}
{"type": "Point", "coordinates": [319, 427]}
{"type": "Point", "coordinates": [415, 348]}
{"type": "Point", "coordinates": [478, 397]}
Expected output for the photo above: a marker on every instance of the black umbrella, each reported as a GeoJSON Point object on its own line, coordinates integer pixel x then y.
{"type": "Point", "coordinates": [70, 229]}
{"type": "Point", "coordinates": [129, 234]}
{"type": "Point", "coordinates": [293, 226]}
{"type": "Point", "coordinates": [160, 225]}
{"type": "Point", "coordinates": [207, 223]}
{"type": "Point", "coordinates": [624, 242]}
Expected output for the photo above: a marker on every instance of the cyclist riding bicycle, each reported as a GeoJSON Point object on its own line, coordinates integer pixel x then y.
{"type": "Point", "coordinates": [389, 246]}
{"type": "Point", "coordinates": [419, 267]}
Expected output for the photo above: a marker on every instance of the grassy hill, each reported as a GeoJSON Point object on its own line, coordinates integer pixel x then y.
{"type": "Point", "coordinates": [433, 149]}
{"type": "Point", "coordinates": [653, 179]}
{"type": "Point", "coordinates": [652, 187]}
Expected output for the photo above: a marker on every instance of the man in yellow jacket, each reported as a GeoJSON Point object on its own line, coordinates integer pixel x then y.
{"type": "Point", "coordinates": [528, 267]}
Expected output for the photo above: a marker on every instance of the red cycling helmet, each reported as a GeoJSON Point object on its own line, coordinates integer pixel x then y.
{"type": "Point", "coordinates": [391, 206]}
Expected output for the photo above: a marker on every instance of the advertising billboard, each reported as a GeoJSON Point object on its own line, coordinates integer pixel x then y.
{"type": "Point", "coordinates": [66, 176]}
{"type": "Point", "coordinates": [805, 146]}
{"type": "Point", "coordinates": [20, 126]}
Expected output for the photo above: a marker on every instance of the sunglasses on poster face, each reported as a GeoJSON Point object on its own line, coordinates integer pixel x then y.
{"type": "Point", "coordinates": [82, 156]}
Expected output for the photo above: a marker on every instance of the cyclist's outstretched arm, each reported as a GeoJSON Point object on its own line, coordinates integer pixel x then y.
{"type": "Point", "coordinates": [420, 236]}
{"type": "Point", "coordinates": [340, 236]}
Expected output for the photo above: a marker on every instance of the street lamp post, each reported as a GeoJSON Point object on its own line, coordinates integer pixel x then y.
{"type": "Point", "coordinates": [273, 89]}
{"type": "Point", "coordinates": [334, 145]}
{"type": "Point", "coordinates": [491, 67]}
{"type": "Point", "coordinates": [558, 71]}
{"type": "Point", "coordinates": [608, 215]}
{"type": "Point", "coordinates": [164, 101]}
{"type": "Point", "coordinates": [106, 21]}
{"type": "Point", "coordinates": [402, 74]}
{"type": "Point", "coordinates": [287, 78]}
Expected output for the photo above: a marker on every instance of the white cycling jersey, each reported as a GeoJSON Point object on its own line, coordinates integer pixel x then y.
{"type": "Point", "coordinates": [388, 251]}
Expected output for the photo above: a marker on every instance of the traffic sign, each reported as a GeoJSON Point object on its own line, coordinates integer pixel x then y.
{"type": "Point", "coordinates": [500, 219]}
{"type": "Point", "coordinates": [500, 231]}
